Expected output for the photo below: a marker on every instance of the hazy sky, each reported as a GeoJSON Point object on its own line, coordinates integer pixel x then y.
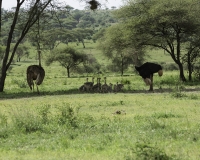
{"type": "Point", "coordinates": [7, 4]}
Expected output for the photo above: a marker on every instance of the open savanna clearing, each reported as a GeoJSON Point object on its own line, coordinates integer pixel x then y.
{"type": "Point", "coordinates": [101, 126]}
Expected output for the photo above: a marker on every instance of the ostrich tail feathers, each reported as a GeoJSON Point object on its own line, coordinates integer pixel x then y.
{"type": "Point", "coordinates": [29, 80]}
{"type": "Point", "coordinates": [136, 68]}
{"type": "Point", "coordinates": [40, 77]}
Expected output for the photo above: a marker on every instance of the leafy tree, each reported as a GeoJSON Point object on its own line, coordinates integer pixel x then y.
{"type": "Point", "coordinates": [21, 51]}
{"type": "Point", "coordinates": [192, 55]}
{"type": "Point", "coordinates": [81, 34]}
{"type": "Point", "coordinates": [167, 25]}
{"type": "Point", "coordinates": [1, 52]}
{"type": "Point", "coordinates": [30, 14]}
{"type": "Point", "coordinates": [116, 47]}
{"type": "Point", "coordinates": [77, 15]}
{"type": "Point", "coordinates": [68, 58]}
{"type": "Point", "coordinates": [67, 36]}
{"type": "Point", "coordinates": [69, 23]}
{"type": "Point", "coordinates": [91, 65]}
{"type": "Point", "coordinates": [98, 34]}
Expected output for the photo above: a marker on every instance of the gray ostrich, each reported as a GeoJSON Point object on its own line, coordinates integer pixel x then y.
{"type": "Point", "coordinates": [104, 87]}
{"type": "Point", "coordinates": [35, 73]}
{"type": "Point", "coordinates": [88, 85]}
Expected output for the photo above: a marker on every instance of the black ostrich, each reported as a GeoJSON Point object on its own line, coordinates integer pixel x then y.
{"type": "Point", "coordinates": [147, 70]}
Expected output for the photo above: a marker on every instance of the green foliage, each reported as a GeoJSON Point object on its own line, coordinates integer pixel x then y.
{"type": "Point", "coordinates": [67, 116]}
{"type": "Point", "coordinates": [44, 113]}
{"type": "Point", "coordinates": [145, 151]}
{"type": "Point", "coordinates": [155, 126]}
{"type": "Point", "coordinates": [26, 121]}
{"type": "Point", "coordinates": [68, 57]}
{"type": "Point", "coordinates": [165, 115]}
{"type": "Point", "coordinates": [178, 91]}
{"type": "Point", "coordinates": [155, 24]}
{"type": "Point", "coordinates": [62, 122]}
{"type": "Point", "coordinates": [4, 130]}
{"type": "Point", "coordinates": [20, 83]}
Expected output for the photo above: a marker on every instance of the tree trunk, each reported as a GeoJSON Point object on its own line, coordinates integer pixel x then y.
{"type": "Point", "coordinates": [189, 67]}
{"type": "Point", "coordinates": [122, 67]}
{"type": "Point", "coordinates": [0, 16]}
{"type": "Point", "coordinates": [83, 43]}
{"type": "Point", "coordinates": [68, 73]}
{"type": "Point", "coordinates": [182, 76]}
{"type": "Point", "coordinates": [151, 85]}
{"type": "Point", "coordinates": [32, 18]}
{"type": "Point", "coordinates": [2, 79]}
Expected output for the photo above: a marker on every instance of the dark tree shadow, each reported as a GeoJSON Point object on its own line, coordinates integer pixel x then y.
{"type": "Point", "coordinates": [29, 94]}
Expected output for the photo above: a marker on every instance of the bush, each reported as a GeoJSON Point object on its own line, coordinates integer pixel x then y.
{"type": "Point", "coordinates": [27, 121]}
{"type": "Point", "coordinates": [67, 115]}
{"type": "Point", "coordinates": [169, 66]}
{"type": "Point", "coordinates": [145, 151]}
{"type": "Point", "coordinates": [20, 83]}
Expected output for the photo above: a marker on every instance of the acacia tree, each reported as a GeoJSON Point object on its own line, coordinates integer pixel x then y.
{"type": "Point", "coordinates": [21, 51]}
{"type": "Point", "coordinates": [68, 58]}
{"type": "Point", "coordinates": [31, 14]}
{"type": "Point", "coordinates": [161, 24]}
{"type": "Point", "coordinates": [115, 46]}
{"type": "Point", "coordinates": [80, 34]}
{"type": "Point", "coordinates": [192, 55]}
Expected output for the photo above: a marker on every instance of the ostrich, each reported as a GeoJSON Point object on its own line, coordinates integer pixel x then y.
{"type": "Point", "coordinates": [82, 88]}
{"type": "Point", "coordinates": [115, 89]}
{"type": "Point", "coordinates": [110, 87]}
{"type": "Point", "coordinates": [37, 73]}
{"type": "Point", "coordinates": [88, 85]}
{"type": "Point", "coordinates": [104, 87]}
{"type": "Point", "coordinates": [97, 86]}
{"type": "Point", "coordinates": [118, 87]}
{"type": "Point", "coordinates": [147, 70]}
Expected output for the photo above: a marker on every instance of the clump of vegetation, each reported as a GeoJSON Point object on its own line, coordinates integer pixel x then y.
{"type": "Point", "coordinates": [26, 121]}
{"type": "Point", "coordinates": [148, 151]}
{"type": "Point", "coordinates": [4, 131]}
{"type": "Point", "coordinates": [20, 83]}
{"type": "Point", "coordinates": [67, 115]}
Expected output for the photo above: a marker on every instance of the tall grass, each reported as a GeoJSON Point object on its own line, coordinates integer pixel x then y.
{"type": "Point", "coordinates": [152, 126]}
{"type": "Point", "coordinates": [64, 123]}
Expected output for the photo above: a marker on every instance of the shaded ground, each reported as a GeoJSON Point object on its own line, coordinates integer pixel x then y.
{"type": "Point", "coordinates": [29, 94]}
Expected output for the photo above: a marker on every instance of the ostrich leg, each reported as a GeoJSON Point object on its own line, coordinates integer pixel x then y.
{"type": "Point", "coordinates": [151, 85]}
{"type": "Point", "coordinates": [37, 89]}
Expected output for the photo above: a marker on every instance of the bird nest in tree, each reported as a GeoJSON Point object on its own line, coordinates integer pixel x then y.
{"type": "Point", "coordinates": [94, 4]}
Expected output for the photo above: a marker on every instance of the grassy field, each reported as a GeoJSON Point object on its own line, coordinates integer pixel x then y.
{"type": "Point", "coordinates": [87, 126]}
{"type": "Point", "coordinates": [64, 123]}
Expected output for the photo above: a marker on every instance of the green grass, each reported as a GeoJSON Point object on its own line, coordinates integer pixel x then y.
{"type": "Point", "coordinates": [64, 123]}
{"type": "Point", "coordinates": [85, 126]}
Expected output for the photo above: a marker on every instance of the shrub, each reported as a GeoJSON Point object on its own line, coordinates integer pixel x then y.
{"type": "Point", "coordinates": [27, 121]}
{"type": "Point", "coordinates": [43, 112]}
{"type": "Point", "coordinates": [3, 126]}
{"type": "Point", "coordinates": [145, 151]}
{"type": "Point", "coordinates": [20, 83]}
{"type": "Point", "coordinates": [67, 115]}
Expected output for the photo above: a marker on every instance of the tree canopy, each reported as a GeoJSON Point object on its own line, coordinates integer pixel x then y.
{"type": "Point", "coordinates": [169, 25]}
{"type": "Point", "coordinates": [68, 58]}
{"type": "Point", "coordinates": [22, 18]}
